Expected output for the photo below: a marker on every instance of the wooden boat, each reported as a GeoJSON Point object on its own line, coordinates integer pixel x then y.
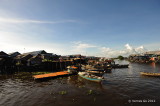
{"type": "Point", "coordinates": [89, 77]}
{"type": "Point", "coordinates": [99, 73]}
{"type": "Point", "coordinates": [103, 67]}
{"type": "Point", "coordinates": [95, 71]}
{"type": "Point", "coordinates": [108, 70]}
{"type": "Point", "coordinates": [120, 66]}
{"type": "Point", "coordinates": [150, 74]}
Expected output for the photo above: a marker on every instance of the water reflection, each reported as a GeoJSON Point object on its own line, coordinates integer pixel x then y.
{"type": "Point", "coordinates": [81, 83]}
{"type": "Point", "coordinates": [121, 61]}
{"type": "Point", "coordinates": [130, 71]}
{"type": "Point", "coordinates": [155, 67]}
{"type": "Point", "coordinates": [153, 64]}
{"type": "Point", "coordinates": [120, 86]}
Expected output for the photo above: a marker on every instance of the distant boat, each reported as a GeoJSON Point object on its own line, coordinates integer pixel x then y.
{"type": "Point", "coordinates": [89, 77]}
{"type": "Point", "coordinates": [150, 74]}
{"type": "Point", "coordinates": [96, 72]}
{"type": "Point", "coordinates": [120, 66]}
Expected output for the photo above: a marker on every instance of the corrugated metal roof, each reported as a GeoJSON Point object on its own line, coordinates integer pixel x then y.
{"type": "Point", "coordinates": [14, 54]}
{"type": "Point", "coordinates": [34, 53]}
{"type": "Point", "coordinates": [3, 53]}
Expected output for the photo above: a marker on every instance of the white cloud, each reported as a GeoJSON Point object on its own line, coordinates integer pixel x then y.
{"type": "Point", "coordinates": [140, 49]}
{"type": "Point", "coordinates": [81, 48]}
{"type": "Point", "coordinates": [18, 21]}
{"type": "Point", "coordinates": [11, 42]}
{"type": "Point", "coordinates": [153, 46]}
{"type": "Point", "coordinates": [128, 47]}
{"type": "Point", "coordinates": [21, 35]}
{"type": "Point", "coordinates": [107, 52]}
{"type": "Point", "coordinates": [24, 36]}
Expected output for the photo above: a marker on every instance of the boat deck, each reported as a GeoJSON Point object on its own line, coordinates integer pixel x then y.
{"type": "Point", "coordinates": [55, 74]}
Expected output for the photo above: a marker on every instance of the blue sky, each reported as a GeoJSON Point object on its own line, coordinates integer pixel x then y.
{"type": "Point", "coordinates": [91, 27]}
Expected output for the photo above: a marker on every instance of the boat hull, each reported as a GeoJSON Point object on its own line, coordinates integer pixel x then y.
{"type": "Point", "coordinates": [91, 79]}
{"type": "Point", "coordinates": [150, 74]}
{"type": "Point", "coordinates": [120, 66]}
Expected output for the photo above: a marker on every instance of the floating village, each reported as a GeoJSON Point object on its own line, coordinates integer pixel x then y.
{"type": "Point", "coordinates": [49, 65]}
{"type": "Point", "coordinates": [79, 53]}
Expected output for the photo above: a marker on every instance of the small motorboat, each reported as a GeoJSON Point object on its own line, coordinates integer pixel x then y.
{"type": "Point", "coordinates": [90, 77]}
{"type": "Point", "coordinates": [150, 74]}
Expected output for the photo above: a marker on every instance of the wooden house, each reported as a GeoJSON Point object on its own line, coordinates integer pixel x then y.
{"type": "Point", "coordinates": [35, 53]}
{"type": "Point", "coordinates": [35, 60]}
{"type": "Point", "coordinates": [1, 61]}
{"type": "Point", "coordinates": [152, 53]}
{"type": "Point", "coordinates": [50, 56]}
{"type": "Point", "coordinates": [3, 54]}
{"type": "Point", "coordinates": [14, 54]}
{"type": "Point", "coordinates": [23, 58]}
{"type": "Point", "coordinates": [44, 55]}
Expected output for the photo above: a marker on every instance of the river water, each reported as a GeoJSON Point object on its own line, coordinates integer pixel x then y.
{"type": "Point", "coordinates": [121, 87]}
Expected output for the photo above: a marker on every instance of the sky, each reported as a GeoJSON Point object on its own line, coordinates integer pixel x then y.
{"type": "Point", "coordinates": [105, 28]}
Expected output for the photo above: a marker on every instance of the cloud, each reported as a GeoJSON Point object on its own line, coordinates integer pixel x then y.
{"type": "Point", "coordinates": [140, 49]}
{"type": "Point", "coordinates": [80, 47]}
{"type": "Point", "coordinates": [85, 49]}
{"type": "Point", "coordinates": [23, 21]}
{"type": "Point", "coordinates": [153, 46]}
{"type": "Point", "coordinates": [132, 50]}
{"type": "Point", "coordinates": [108, 52]}
{"type": "Point", "coordinates": [24, 35]}
{"type": "Point", "coordinates": [128, 47]}
{"type": "Point", "coordinates": [11, 42]}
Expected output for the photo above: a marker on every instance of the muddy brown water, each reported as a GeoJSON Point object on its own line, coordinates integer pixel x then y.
{"type": "Point", "coordinates": [121, 87]}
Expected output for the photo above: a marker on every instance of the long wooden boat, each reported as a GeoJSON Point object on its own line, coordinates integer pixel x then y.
{"type": "Point", "coordinates": [150, 74]}
{"type": "Point", "coordinates": [99, 73]}
{"type": "Point", "coordinates": [95, 71]}
{"type": "Point", "coordinates": [93, 78]}
{"type": "Point", "coordinates": [120, 66]}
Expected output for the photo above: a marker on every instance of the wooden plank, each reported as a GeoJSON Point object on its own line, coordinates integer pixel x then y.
{"type": "Point", "coordinates": [50, 75]}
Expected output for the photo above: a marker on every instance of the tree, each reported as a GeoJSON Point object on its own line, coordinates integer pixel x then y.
{"type": "Point", "coordinates": [120, 57]}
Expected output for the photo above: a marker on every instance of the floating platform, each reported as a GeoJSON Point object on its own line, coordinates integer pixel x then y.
{"type": "Point", "coordinates": [51, 75]}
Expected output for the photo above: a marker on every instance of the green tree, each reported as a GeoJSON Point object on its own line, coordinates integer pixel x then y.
{"type": "Point", "coordinates": [120, 57]}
